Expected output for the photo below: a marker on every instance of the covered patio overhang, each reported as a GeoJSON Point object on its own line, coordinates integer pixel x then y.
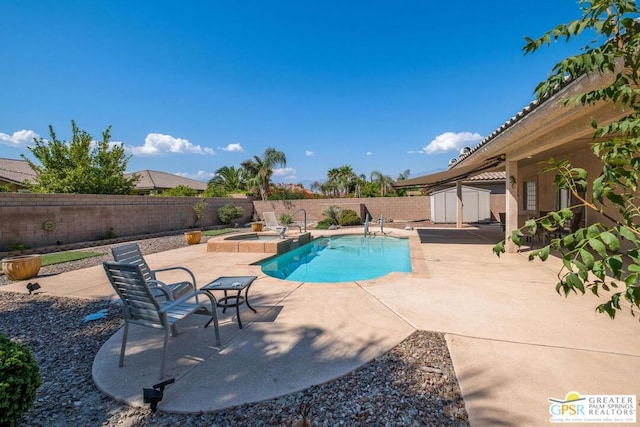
{"type": "Point", "coordinates": [542, 130]}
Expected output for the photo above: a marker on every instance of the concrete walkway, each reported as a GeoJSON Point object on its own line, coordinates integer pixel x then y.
{"type": "Point", "coordinates": [514, 341]}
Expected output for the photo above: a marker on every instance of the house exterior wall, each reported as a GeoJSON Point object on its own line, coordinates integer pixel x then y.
{"type": "Point", "coordinates": [547, 192]}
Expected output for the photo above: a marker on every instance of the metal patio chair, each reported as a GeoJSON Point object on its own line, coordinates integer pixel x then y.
{"type": "Point", "coordinates": [140, 306]}
{"type": "Point", "coordinates": [130, 254]}
{"type": "Point", "coordinates": [271, 222]}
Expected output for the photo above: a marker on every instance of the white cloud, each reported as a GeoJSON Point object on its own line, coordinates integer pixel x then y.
{"type": "Point", "coordinates": [369, 153]}
{"type": "Point", "coordinates": [233, 147]}
{"type": "Point", "coordinates": [450, 141]}
{"type": "Point", "coordinates": [285, 173]}
{"type": "Point", "coordinates": [157, 144]}
{"type": "Point", "coordinates": [309, 153]}
{"type": "Point", "coordinates": [200, 175]}
{"type": "Point", "coordinates": [21, 137]}
{"type": "Point", "coordinates": [415, 152]}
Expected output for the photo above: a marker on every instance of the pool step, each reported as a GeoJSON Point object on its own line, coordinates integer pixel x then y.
{"type": "Point", "coordinates": [243, 243]}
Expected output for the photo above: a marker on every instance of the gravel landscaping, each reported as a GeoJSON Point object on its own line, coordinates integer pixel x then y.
{"type": "Point", "coordinates": [414, 384]}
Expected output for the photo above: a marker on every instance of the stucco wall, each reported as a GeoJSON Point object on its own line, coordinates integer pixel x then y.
{"type": "Point", "coordinates": [48, 219]}
{"type": "Point", "coordinates": [546, 190]}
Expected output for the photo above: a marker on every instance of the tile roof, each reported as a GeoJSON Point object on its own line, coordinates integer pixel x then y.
{"type": "Point", "coordinates": [156, 180]}
{"type": "Point", "coordinates": [489, 176]}
{"type": "Point", "coordinates": [16, 171]}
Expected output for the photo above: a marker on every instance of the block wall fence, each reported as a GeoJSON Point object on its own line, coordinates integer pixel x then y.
{"type": "Point", "coordinates": [396, 208]}
{"type": "Point", "coordinates": [41, 220]}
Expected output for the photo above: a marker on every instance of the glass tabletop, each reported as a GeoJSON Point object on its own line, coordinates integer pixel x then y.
{"type": "Point", "coordinates": [229, 283]}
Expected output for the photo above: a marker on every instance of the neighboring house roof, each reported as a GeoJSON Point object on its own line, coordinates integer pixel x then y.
{"type": "Point", "coordinates": [16, 171]}
{"type": "Point", "coordinates": [156, 180]}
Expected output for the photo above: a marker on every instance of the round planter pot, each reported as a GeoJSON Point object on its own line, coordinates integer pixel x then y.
{"type": "Point", "coordinates": [21, 267]}
{"type": "Point", "coordinates": [193, 237]}
{"type": "Point", "coordinates": [256, 226]}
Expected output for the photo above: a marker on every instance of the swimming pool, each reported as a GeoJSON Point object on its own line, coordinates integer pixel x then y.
{"type": "Point", "coordinates": [341, 259]}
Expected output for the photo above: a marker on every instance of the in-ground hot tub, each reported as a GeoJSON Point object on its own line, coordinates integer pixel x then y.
{"type": "Point", "coordinates": [257, 242]}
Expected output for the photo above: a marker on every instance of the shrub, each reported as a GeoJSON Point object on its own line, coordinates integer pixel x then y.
{"type": "Point", "coordinates": [349, 217]}
{"type": "Point", "coordinates": [324, 224]}
{"type": "Point", "coordinates": [229, 212]}
{"type": "Point", "coordinates": [332, 214]}
{"type": "Point", "coordinates": [19, 380]}
{"type": "Point", "coordinates": [285, 219]}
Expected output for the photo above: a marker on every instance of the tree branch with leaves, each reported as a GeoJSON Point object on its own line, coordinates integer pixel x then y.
{"type": "Point", "coordinates": [603, 257]}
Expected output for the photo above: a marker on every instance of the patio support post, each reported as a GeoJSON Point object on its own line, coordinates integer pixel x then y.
{"type": "Point", "coordinates": [512, 182]}
{"type": "Point", "coordinates": [459, 204]}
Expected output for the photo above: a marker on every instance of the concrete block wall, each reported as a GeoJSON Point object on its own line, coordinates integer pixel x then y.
{"type": "Point", "coordinates": [396, 208]}
{"type": "Point", "coordinates": [39, 220]}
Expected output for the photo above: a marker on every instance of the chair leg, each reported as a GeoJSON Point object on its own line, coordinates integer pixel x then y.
{"type": "Point", "coordinates": [164, 352]}
{"type": "Point", "coordinates": [124, 342]}
{"type": "Point", "coordinates": [216, 329]}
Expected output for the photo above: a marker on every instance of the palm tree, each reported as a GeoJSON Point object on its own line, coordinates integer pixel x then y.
{"type": "Point", "coordinates": [384, 181]}
{"type": "Point", "coordinates": [359, 180]}
{"type": "Point", "coordinates": [260, 169]}
{"type": "Point", "coordinates": [333, 181]}
{"type": "Point", "coordinates": [229, 178]}
{"type": "Point", "coordinates": [345, 178]}
{"type": "Point", "coordinates": [404, 175]}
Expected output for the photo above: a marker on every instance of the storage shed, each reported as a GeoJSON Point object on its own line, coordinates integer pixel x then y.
{"type": "Point", "coordinates": [476, 205]}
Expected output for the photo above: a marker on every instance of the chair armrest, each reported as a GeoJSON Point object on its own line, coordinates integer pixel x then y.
{"type": "Point", "coordinates": [212, 301]}
{"type": "Point", "coordinates": [189, 272]}
{"type": "Point", "coordinates": [166, 290]}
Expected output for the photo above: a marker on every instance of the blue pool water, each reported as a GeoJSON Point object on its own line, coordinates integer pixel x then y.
{"type": "Point", "coordinates": [341, 259]}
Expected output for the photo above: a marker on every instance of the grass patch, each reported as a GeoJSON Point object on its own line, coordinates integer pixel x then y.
{"type": "Point", "coordinates": [218, 232]}
{"type": "Point", "coordinates": [60, 257]}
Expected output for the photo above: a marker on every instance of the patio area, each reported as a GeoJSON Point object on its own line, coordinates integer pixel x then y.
{"type": "Point", "coordinates": [513, 340]}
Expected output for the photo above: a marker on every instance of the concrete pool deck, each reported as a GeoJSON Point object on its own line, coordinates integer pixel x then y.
{"type": "Point", "coordinates": [514, 342]}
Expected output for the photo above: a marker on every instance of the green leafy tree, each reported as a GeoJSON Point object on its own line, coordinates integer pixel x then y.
{"type": "Point", "coordinates": [603, 257]}
{"type": "Point", "coordinates": [81, 166]}
{"type": "Point", "coordinates": [179, 191]}
{"type": "Point", "coordinates": [260, 169]}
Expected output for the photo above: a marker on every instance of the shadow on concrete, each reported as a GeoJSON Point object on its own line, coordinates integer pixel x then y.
{"type": "Point", "coordinates": [480, 235]}
{"type": "Point", "coordinates": [481, 402]}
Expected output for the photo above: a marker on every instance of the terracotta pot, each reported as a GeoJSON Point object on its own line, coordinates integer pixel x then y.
{"type": "Point", "coordinates": [193, 237]}
{"type": "Point", "coordinates": [256, 226]}
{"type": "Point", "coordinates": [21, 267]}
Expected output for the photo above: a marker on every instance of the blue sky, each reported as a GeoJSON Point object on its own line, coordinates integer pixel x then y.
{"type": "Point", "coordinates": [192, 86]}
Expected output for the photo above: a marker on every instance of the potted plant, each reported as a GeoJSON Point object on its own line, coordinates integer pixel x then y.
{"type": "Point", "coordinates": [194, 236]}
{"type": "Point", "coordinates": [256, 224]}
{"type": "Point", "coordinates": [21, 267]}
